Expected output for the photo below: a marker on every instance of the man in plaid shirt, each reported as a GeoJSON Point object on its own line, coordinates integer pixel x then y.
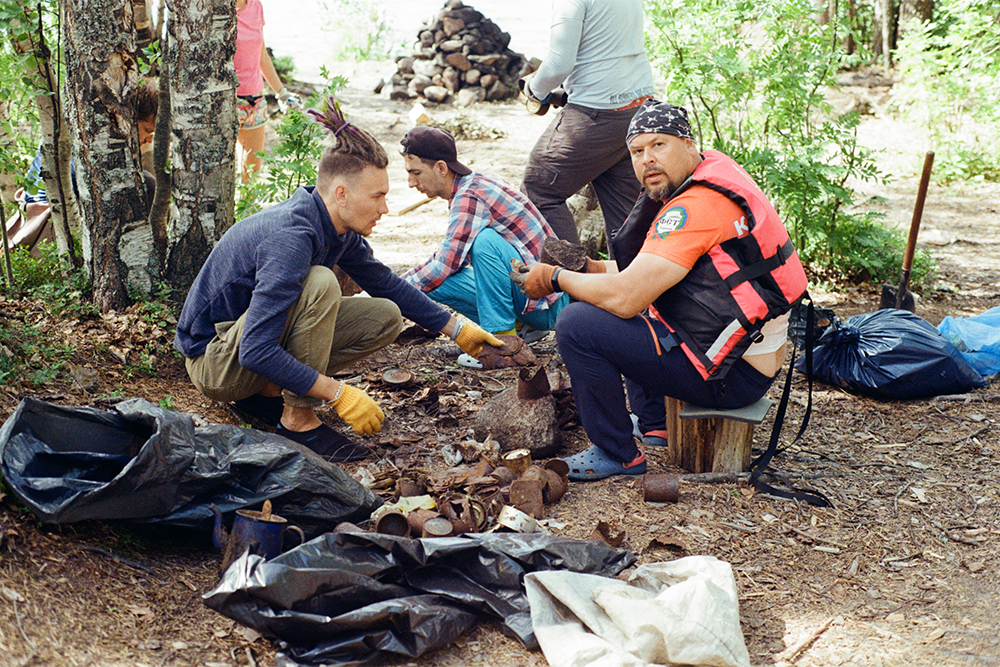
{"type": "Point", "coordinates": [489, 224]}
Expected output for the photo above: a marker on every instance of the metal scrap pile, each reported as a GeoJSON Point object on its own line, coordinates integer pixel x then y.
{"type": "Point", "coordinates": [475, 498]}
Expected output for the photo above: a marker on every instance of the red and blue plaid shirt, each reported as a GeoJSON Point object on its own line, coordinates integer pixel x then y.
{"type": "Point", "coordinates": [479, 201]}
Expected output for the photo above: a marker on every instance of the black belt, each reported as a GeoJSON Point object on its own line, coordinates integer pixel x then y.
{"type": "Point", "coordinates": [249, 99]}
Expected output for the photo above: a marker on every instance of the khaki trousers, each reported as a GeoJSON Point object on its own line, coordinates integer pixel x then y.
{"type": "Point", "coordinates": [324, 330]}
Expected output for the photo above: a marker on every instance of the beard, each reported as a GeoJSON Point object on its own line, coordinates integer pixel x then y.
{"type": "Point", "coordinates": [661, 193]}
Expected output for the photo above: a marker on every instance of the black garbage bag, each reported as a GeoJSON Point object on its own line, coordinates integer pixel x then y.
{"type": "Point", "coordinates": [141, 463]}
{"type": "Point", "coordinates": [890, 354]}
{"type": "Point", "coordinates": [354, 598]}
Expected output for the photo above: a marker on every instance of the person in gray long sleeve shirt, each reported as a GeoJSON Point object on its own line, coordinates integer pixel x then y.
{"type": "Point", "coordinates": [597, 52]}
{"type": "Point", "coordinates": [264, 323]}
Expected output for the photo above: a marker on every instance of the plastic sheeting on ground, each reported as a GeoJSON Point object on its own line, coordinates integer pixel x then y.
{"type": "Point", "coordinates": [353, 597]}
{"type": "Point", "coordinates": [139, 462]}
{"type": "Point", "coordinates": [890, 354]}
{"type": "Point", "coordinates": [977, 338]}
{"type": "Point", "coordinates": [682, 612]}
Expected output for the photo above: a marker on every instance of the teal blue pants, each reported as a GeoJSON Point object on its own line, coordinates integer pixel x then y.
{"type": "Point", "coordinates": [485, 294]}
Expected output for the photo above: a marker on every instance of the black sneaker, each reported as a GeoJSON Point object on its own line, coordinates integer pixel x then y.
{"type": "Point", "coordinates": [326, 442]}
{"type": "Point", "coordinates": [265, 409]}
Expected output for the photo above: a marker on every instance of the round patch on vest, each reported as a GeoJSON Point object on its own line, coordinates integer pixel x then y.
{"type": "Point", "coordinates": [670, 220]}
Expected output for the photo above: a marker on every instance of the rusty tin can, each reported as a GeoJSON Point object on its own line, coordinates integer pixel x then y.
{"type": "Point", "coordinates": [660, 488]}
{"type": "Point", "coordinates": [391, 521]}
{"type": "Point", "coordinates": [437, 526]}
{"type": "Point", "coordinates": [417, 518]}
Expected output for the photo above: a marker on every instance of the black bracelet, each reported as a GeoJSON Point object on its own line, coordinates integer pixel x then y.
{"type": "Point", "coordinates": [555, 279]}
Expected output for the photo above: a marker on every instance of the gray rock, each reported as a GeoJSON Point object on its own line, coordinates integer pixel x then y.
{"type": "Point", "coordinates": [589, 221]}
{"type": "Point", "coordinates": [405, 65]}
{"type": "Point", "coordinates": [487, 59]}
{"type": "Point", "coordinates": [497, 92]}
{"type": "Point", "coordinates": [400, 93]}
{"type": "Point", "coordinates": [452, 26]}
{"type": "Point", "coordinates": [458, 61]}
{"type": "Point", "coordinates": [517, 423]}
{"type": "Point", "coordinates": [436, 93]}
{"type": "Point", "coordinates": [419, 84]}
{"type": "Point", "coordinates": [452, 79]}
{"type": "Point", "coordinates": [470, 95]}
{"type": "Point", "coordinates": [425, 68]}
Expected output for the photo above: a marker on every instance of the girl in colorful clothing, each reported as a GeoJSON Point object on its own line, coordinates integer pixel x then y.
{"type": "Point", "coordinates": [253, 67]}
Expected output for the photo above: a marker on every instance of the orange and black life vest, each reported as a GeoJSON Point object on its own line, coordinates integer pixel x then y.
{"type": "Point", "coordinates": [718, 309]}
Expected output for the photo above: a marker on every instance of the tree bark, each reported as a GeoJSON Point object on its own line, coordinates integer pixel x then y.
{"type": "Point", "coordinates": [8, 187]}
{"type": "Point", "coordinates": [883, 34]}
{"type": "Point", "coordinates": [101, 65]}
{"type": "Point", "coordinates": [201, 36]}
{"type": "Point", "coordinates": [56, 146]}
{"type": "Point", "coordinates": [913, 13]}
{"type": "Point", "coordinates": [852, 18]}
{"type": "Point", "coordinates": [159, 211]}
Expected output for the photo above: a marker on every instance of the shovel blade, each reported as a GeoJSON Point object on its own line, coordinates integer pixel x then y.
{"type": "Point", "coordinates": [889, 297]}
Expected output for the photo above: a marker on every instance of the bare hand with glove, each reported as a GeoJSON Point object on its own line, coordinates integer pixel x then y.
{"type": "Point", "coordinates": [471, 338]}
{"type": "Point", "coordinates": [536, 281]}
{"type": "Point", "coordinates": [358, 409]}
{"type": "Point", "coordinates": [287, 99]}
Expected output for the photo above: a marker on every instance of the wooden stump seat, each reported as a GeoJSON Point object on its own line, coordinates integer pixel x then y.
{"type": "Point", "coordinates": [708, 440]}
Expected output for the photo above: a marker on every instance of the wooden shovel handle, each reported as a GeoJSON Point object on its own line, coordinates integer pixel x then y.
{"type": "Point", "coordinates": [918, 211]}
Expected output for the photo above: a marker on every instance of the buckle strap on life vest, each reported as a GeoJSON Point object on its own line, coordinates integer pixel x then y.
{"type": "Point", "coordinates": [761, 268]}
{"type": "Point", "coordinates": [692, 346]}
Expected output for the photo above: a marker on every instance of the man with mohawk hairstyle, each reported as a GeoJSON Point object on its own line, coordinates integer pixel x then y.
{"type": "Point", "coordinates": [265, 324]}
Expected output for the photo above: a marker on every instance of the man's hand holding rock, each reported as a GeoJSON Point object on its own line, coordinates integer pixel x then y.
{"type": "Point", "coordinates": [536, 281]}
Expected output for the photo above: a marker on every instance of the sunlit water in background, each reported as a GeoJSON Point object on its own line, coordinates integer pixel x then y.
{"type": "Point", "coordinates": [307, 30]}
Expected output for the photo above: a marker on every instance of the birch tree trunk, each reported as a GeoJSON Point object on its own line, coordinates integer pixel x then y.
{"type": "Point", "coordinates": [883, 41]}
{"type": "Point", "coordinates": [8, 186]}
{"type": "Point", "coordinates": [102, 78]}
{"type": "Point", "coordinates": [56, 146]}
{"type": "Point", "coordinates": [201, 37]}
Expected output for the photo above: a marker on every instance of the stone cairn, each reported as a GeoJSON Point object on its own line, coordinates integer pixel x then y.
{"type": "Point", "coordinates": [460, 57]}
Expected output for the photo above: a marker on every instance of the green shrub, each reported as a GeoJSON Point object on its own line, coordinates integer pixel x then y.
{"type": "Point", "coordinates": [361, 29]}
{"type": "Point", "coordinates": [949, 73]}
{"type": "Point", "coordinates": [753, 75]}
{"type": "Point", "coordinates": [292, 161]}
{"type": "Point", "coordinates": [32, 272]}
{"type": "Point", "coordinates": [283, 65]}
{"type": "Point", "coordinates": [33, 357]}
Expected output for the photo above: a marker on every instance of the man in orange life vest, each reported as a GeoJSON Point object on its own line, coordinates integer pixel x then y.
{"type": "Point", "coordinates": [694, 306]}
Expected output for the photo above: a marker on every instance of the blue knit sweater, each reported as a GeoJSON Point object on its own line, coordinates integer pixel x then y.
{"type": "Point", "coordinates": [258, 267]}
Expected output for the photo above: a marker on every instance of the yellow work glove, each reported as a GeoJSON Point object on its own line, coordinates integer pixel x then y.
{"type": "Point", "coordinates": [472, 338]}
{"type": "Point", "coordinates": [358, 409]}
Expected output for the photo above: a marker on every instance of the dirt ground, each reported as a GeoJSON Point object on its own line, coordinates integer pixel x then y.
{"type": "Point", "coordinates": [902, 571]}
